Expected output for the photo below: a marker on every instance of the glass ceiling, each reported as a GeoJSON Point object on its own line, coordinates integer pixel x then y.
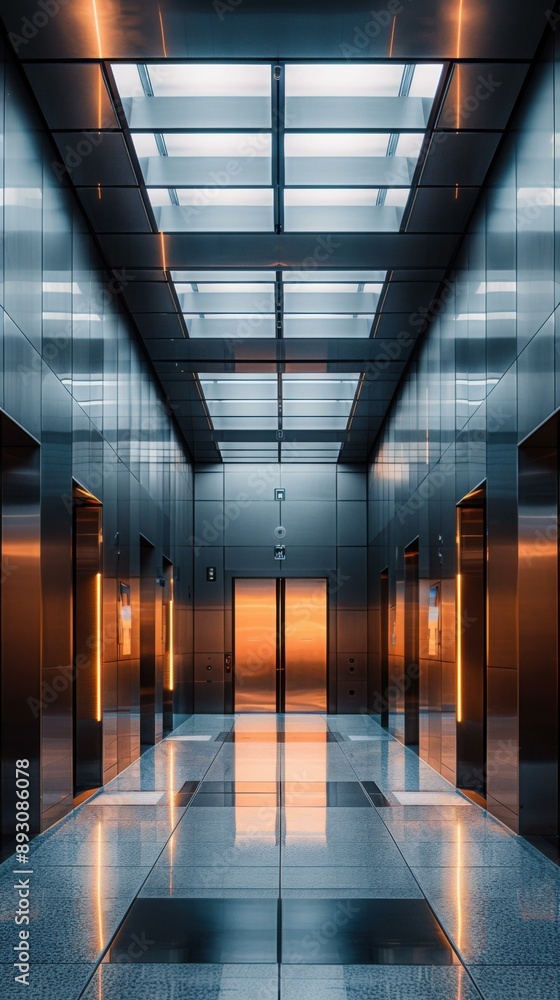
{"type": "Point", "coordinates": [300, 148]}
{"type": "Point", "coordinates": [316, 405]}
{"type": "Point", "coordinates": [323, 148]}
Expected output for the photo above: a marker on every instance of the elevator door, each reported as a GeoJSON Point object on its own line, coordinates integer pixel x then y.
{"type": "Point", "coordinates": [280, 645]}
{"type": "Point", "coordinates": [304, 645]}
{"type": "Point", "coordinates": [256, 646]}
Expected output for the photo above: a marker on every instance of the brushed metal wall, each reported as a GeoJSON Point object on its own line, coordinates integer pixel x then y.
{"type": "Point", "coordinates": [75, 378]}
{"type": "Point", "coordinates": [483, 378]}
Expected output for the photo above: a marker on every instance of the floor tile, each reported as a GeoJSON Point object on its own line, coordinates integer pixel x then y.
{"type": "Point", "coordinates": [199, 930]}
{"type": "Point", "coordinates": [362, 931]}
{"type": "Point", "coordinates": [376, 982]}
{"type": "Point", "coordinates": [183, 982]}
{"type": "Point", "coordinates": [531, 983]}
{"type": "Point", "coordinates": [46, 982]}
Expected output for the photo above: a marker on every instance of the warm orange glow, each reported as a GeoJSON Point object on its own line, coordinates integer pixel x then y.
{"type": "Point", "coordinates": [392, 35]}
{"type": "Point", "coordinates": [456, 192]}
{"type": "Point", "coordinates": [99, 888]}
{"type": "Point", "coordinates": [171, 648]}
{"type": "Point", "coordinates": [458, 68]}
{"type": "Point", "coordinates": [99, 191]}
{"type": "Point", "coordinates": [459, 886]}
{"type": "Point", "coordinates": [164, 46]}
{"type": "Point", "coordinates": [97, 28]}
{"type": "Point", "coordinates": [459, 654]}
{"type": "Point", "coordinates": [459, 28]}
{"type": "Point", "coordinates": [171, 796]}
{"type": "Point", "coordinates": [99, 638]}
{"type": "Point", "coordinates": [163, 256]}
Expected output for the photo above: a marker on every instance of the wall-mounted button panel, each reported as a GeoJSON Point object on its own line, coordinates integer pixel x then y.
{"type": "Point", "coordinates": [352, 666]}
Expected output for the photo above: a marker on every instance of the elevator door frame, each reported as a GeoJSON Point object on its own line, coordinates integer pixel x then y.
{"type": "Point", "coordinates": [280, 639]}
{"type": "Point", "coordinates": [472, 657]}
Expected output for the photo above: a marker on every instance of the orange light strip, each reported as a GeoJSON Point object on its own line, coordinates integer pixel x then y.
{"type": "Point", "coordinates": [163, 257]}
{"type": "Point", "coordinates": [171, 647]}
{"type": "Point", "coordinates": [164, 46]}
{"type": "Point", "coordinates": [97, 28]}
{"type": "Point", "coordinates": [98, 660]}
{"type": "Point", "coordinates": [459, 654]}
{"type": "Point", "coordinates": [459, 887]}
{"type": "Point", "coordinates": [392, 36]}
{"type": "Point", "coordinates": [99, 886]}
{"type": "Point", "coordinates": [458, 68]}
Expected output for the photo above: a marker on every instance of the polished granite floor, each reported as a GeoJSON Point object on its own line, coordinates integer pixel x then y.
{"type": "Point", "coordinates": [259, 857]}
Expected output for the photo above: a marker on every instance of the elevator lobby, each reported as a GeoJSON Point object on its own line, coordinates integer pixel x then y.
{"type": "Point", "coordinates": [280, 500]}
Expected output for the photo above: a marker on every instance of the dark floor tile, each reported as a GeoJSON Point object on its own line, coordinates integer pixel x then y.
{"type": "Point", "coordinates": [220, 931]}
{"type": "Point", "coordinates": [362, 932]}
{"type": "Point", "coordinates": [184, 795]}
{"type": "Point", "coordinates": [375, 794]}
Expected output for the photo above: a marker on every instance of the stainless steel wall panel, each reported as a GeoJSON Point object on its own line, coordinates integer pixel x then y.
{"type": "Point", "coordinates": [351, 697]}
{"type": "Point", "coordinates": [351, 631]}
{"type": "Point", "coordinates": [208, 630]}
{"type": "Point", "coordinates": [351, 667]}
{"type": "Point", "coordinates": [538, 632]}
{"type": "Point", "coordinates": [20, 672]}
{"type": "Point", "coordinates": [351, 522]}
{"type": "Point", "coordinates": [309, 523]}
{"type": "Point", "coordinates": [351, 578]}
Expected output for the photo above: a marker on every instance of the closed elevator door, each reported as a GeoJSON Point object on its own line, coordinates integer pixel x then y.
{"type": "Point", "coordinates": [280, 645]}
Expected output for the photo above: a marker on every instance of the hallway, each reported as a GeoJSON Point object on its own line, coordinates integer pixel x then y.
{"type": "Point", "coordinates": [320, 838]}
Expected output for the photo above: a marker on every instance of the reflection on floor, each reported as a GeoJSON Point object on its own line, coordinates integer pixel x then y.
{"type": "Point", "coordinates": [310, 857]}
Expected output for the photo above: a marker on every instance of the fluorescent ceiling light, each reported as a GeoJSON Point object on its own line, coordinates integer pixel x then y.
{"type": "Point", "coordinates": [210, 80]}
{"type": "Point", "coordinates": [341, 80]}
{"type": "Point", "coordinates": [321, 289]}
{"type": "Point", "coordinates": [62, 287]}
{"type": "Point", "coordinates": [231, 144]}
{"type": "Point", "coordinates": [410, 144]}
{"type": "Point", "coordinates": [227, 289]}
{"type": "Point", "coordinates": [145, 144]}
{"type": "Point", "coordinates": [347, 197]}
{"type": "Point", "coordinates": [336, 144]}
{"type": "Point", "coordinates": [425, 80]}
{"type": "Point", "coordinates": [201, 197]}
{"type": "Point", "coordinates": [397, 197]}
{"type": "Point", "coordinates": [128, 80]}
{"type": "Point", "coordinates": [496, 286]}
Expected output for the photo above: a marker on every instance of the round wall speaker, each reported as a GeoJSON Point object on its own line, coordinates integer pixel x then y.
{"type": "Point", "coordinates": [280, 532]}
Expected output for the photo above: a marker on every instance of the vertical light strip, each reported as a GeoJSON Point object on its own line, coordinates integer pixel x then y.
{"type": "Point", "coordinates": [392, 36]}
{"type": "Point", "coordinates": [163, 257]}
{"type": "Point", "coordinates": [97, 28]}
{"type": "Point", "coordinates": [98, 657]}
{"type": "Point", "coordinates": [459, 888]}
{"type": "Point", "coordinates": [171, 647]}
{"type": "Point", "coordinates": [164, 46]}
{"type": "Point", "coordinates": [458, 68]}
{"type": "Point", "coordinates": [99, 887]}
{"type": "Point", "coordinates": [459, 653]}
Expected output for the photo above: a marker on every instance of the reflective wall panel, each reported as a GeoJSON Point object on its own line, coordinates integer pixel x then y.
{"type": "Point", "coordinates": [484, 377]}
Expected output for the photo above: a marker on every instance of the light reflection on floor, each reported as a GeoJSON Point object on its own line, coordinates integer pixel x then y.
{"type": "Point", "coordinates": [271, 823]}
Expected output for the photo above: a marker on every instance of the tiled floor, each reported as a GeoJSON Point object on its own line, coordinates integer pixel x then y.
{"type": "Point", "coordinates": [309, 857]}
